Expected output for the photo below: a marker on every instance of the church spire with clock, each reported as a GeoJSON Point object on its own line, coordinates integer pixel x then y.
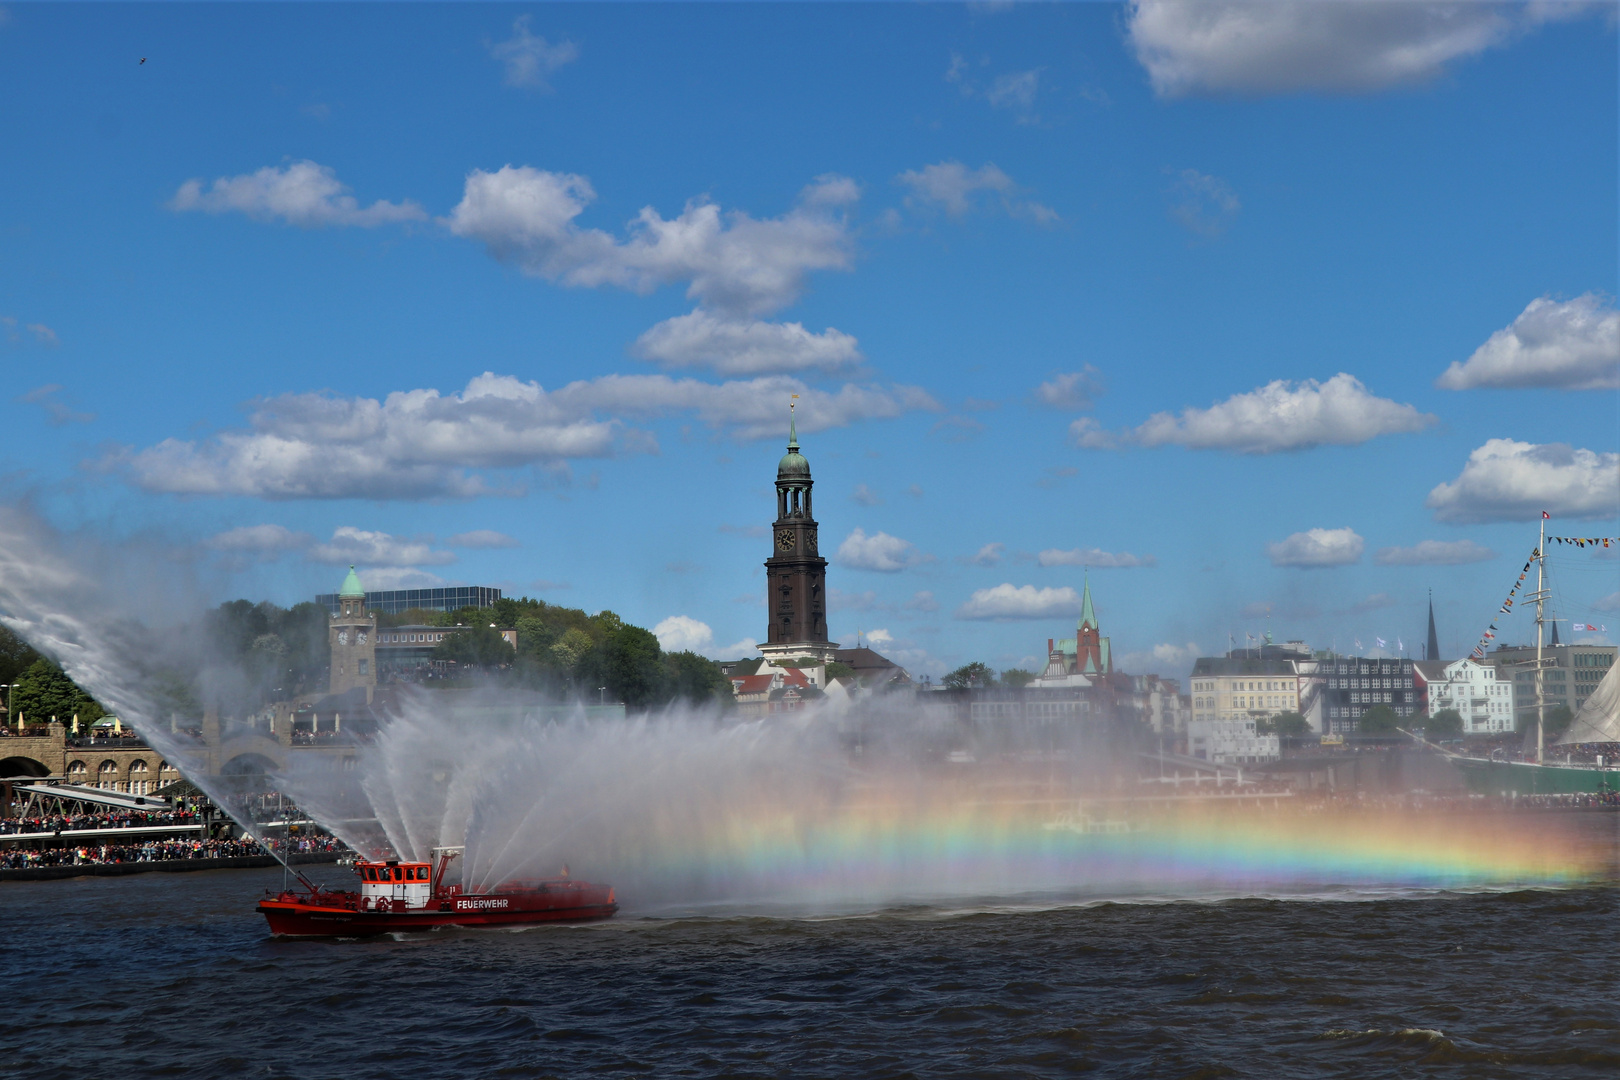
{"type": "Point", "coordinates": [795, 574]}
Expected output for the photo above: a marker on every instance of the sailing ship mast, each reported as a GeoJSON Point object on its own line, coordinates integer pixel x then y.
{"type": "Point", "coordinates": [1540, 597]}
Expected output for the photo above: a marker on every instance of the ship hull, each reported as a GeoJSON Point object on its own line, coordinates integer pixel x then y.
{"type": "Point", "coordinates": [337, 915]}
{"type": "Point", "coordinates": [1528, 778]}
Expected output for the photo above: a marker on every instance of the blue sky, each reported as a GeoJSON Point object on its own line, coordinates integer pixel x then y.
{"type": "Point", "coordinates": [1301, 310]}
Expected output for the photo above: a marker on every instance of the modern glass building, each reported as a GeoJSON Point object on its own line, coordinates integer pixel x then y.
{"type": "Point", "coordinates": [394, 601]}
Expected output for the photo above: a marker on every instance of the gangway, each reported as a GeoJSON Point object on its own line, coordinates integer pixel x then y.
{"type": "Point", "coordinates": [45, 797]}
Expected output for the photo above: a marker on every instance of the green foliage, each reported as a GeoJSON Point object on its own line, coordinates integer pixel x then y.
{"type": "Point", "coordinates": [629, 663]}
{"type": "Point", "coordinates": [1286, 724]}
{"type": "Point", "coordinates": [16, 656]}
{"type": "Point", "coordinates": [279, 652]}
{"type": "Point", "coordinates": [475, 647]}
{"type": "Point", "coordinates": [1379, 720]}
{"type": "Point", "coordinates": [974, 674]}
{"type": "Point", "coordinates": [1017, 677]}
{"type": "Point", "coordinates": [1444, 724]}
{"type": "Point", "coordinates": [695, 679]}
{"type": "Point", "coordinates": [43, 691]}
{"type": "Point", "coordinates": [1558, 718]}
{"type": "Point", "coordinates": [429, 617]}
{"type": "Point", "coordinates": [837, 669]}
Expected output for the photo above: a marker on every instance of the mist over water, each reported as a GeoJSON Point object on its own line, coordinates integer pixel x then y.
{"type": "Point", "coordinates": [692, 810]}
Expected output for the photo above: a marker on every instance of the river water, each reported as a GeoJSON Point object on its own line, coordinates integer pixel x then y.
{"type": "Point", "coordinates": [174, 975]}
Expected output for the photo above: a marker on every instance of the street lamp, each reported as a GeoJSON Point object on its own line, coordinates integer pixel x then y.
{"type": "Point", "coordinates": [601, 694]}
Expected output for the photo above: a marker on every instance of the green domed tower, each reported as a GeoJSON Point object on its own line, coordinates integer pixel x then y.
{"type": "Point", "coordinates": [353, 635]}
{"type": "Point", "coordinates": [795, 574]}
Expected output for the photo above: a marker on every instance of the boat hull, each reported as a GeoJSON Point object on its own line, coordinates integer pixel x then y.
{"type": "Point", "coordinates": [340, 914]}
{"type": "Point", "coordinates": [1528, 778]}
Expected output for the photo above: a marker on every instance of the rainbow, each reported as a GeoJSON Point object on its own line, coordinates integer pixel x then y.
{"type": "Point", "coordinates": [897, 853]}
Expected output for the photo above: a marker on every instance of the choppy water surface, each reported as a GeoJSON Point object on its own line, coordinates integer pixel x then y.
{"type": "Point", "coordinates": [173, 975]}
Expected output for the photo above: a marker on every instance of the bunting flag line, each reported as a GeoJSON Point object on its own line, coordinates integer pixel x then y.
{"type": "Point", "coordinates": [1583, 541]}
{"type": "Point", "coordinates": [1507, 604]}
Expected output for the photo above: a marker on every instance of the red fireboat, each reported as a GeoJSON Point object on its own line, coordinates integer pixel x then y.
{"type": "Point", "coordinates": [397, 895]}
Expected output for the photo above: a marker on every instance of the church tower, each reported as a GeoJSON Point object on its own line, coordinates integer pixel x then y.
{"type": "Point", "coordinates": [795, 575]}
{"type": "Point", "coordinates": [1091, 651]}
{"type": "Point", "coordinates": [353, 635]}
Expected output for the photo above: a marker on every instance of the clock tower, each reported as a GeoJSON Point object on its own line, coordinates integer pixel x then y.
{"type": "Point", "coordinates": [795, 574]}
{"type": "Point", "coordinates": [353, 632]}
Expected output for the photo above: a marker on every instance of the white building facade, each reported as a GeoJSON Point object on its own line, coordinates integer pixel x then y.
{"type": "Point", "coordinates": [1482, 694]}
{"type": "Point", "coordinates": [1231, 742]}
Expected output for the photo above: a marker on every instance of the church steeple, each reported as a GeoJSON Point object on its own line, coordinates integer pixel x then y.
{"type": "Point", "coordinates": [1431, 651]}
{"type": "Point", "coordinates": [1088, 617]}
{"type": "Point", "coordinates": [795, 574]}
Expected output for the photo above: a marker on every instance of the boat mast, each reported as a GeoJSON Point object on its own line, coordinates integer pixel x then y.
{"type": "Point", "coordinates": [1541, 598]}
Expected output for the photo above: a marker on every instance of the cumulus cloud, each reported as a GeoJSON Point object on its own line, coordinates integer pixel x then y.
{"type": "Point", "coordinates": [1279, 416]}
{"type": "Point", "coordinates": [682, 633]}
{"type": "Point", "coordinates": [304, 194]}
{"type": "Point", "coordinates": [1015, 89]}
{"type": "Point", "coordinates": [1162, 658]}
{"type": "Point", "coordinates": [482, 538]}
{"type": "Point", "coordinates": [1094, 557]}
{"type": "Point", "coordinates": [1434, 553]}
{"type": "Point", "coordinates": [366, 548]}
{"type": "Point", "coordinates": [1261, 47]}
{"type": "Point", "coordinates": [1204, 205]}
{"type": "Point", "coordinates": [880, 551]}
{"type": "Point", "coordinates": [267, 542]}
{"type": "Point", "coordinates": [1008, 601]}
{"type": "Point", "coordinates": [1317, 548]}
{"type": "Point", "coordinates": [1071, 389]}
{"type": "Point", "coordinates": [56, 413]}
{"type": "Point", "coordinates": [529, 58]}
{"type": "Point", "coordinates": [865, 496]}
{"type": "Point", "coordinates": [423, 444]}
{"type": "Point", "coordinates": [746, 347]}
{"type": "Point", "coordinates": [1505, 480]}
{"type": "Point", "coordinates": [1565, 346]}
{"type": "Point", "coordinates": [733, 264]}
{"type": "Point", "coordinates": [989, 555]}
{"type": "Point", "coordinates": [954, 188]}
{"type": "Point", "coordinates": [383, 578]}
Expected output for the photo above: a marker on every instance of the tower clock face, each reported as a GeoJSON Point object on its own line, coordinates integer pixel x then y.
{"type": "Point", "coordinates": [810, 541]}
{"type": "Point", "coordinates": [784, 539]}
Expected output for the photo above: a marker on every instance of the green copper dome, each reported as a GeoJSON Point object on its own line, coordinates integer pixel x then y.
{"type": "Point", "coordinates": [352, 589]}
{"type": "Point", "coordinates": [793, 465]}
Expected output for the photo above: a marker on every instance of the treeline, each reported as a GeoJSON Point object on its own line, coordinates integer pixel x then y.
{"type": "Point", "coordinates": [566, 651]}
{"type": "Point", "coordinates": [983, 676]}
{"type": "Point", "coordinates": [36, 689]}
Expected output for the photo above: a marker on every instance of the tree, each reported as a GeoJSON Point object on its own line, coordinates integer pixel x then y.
{"type": "Point", "coordinates": [1017, 677]}
{"type": "Point", "coordinates": [974, 674]}
{"type": "Point", "coordinates": [837, 669]}
{"type": "Point", "coordinates": [696, 679]}
{"type": "Point", "coordinates": [43, 691]}
{"type": "Point", "coordinates": [1378, 720]}
{"type": "Point", "coordinates": [1558, 718]}
{"type": "Point", "coordinates": [1445, 724]}
{"type": "Point", "coordinates": [1286, 724]}
{"type": "Point", "coordinates": [475, 647]}
{"type": "Point", "coordinates": [629, 663]}
{"type": "Point", "coordinates": [16, 656]}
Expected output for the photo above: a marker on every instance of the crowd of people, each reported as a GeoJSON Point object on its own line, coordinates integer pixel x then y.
{"type": "Point", "coordinates": [161, 851]}
{"type": "Point", "coordinates": [116, 819]}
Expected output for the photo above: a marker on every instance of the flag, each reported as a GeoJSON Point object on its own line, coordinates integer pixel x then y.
{"type": "Point", "coordinates": [1382, 644]}
{"type": "Point", "coordinates": [1400, 646]}
{"type": "Point", "coordinates": [1358, 644]}
{"type": "Point", "coordinates": [1545, 515]}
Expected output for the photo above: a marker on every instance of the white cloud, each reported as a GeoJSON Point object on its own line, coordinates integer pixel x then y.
{"type": "Point", "coordinates": [382, 578]}
{"type": "Point", "coordinates": [735, 264]}
{"type": "Point", "coordinates": [681, 633]}
{"type": "Point", "coordinates": [1008, 601]}
{"type": "Point", "coordinates": [1087, 434]}
{"type": "Point", "coordinates": [1434, 553]}
{"type": "Point", "coordinates": [529, 58]}
{"type": "Point", "coordinates": [742, 347]}
{"type": "Point", "coordinates": [743, 648]}
{"type": "Point", "coordinates": [1261, 47]}
{"type": "Point", "coordinates": [922, 601]}
{"type": "Point", "coordinates": [1094, 557]}
{"type": "Point", "coordinates": [956, 189]}
{"type": "Point", "coordinates": [377, 549]}
{"type": "Point", "coordinates": [1610, 603]}
{"type": "Point", "coordinates": [303, 194]}
{"type": "Point", "coordinates": [1205, 205]}
{"type": "Point", "coordinates": [1317, 548]}
{"type": "Point", "coordinates": [1278, 416]}
{"type": "Point", "coordinates": [259, 539]}
{"type": "Point", "coordinates": [43, 334]}
{"type": "Point", "coordinates": [56, 413]}
{"type": "Point", "coordinates": [1015, 89]}
{"type": "Point", "coordinates": [1505, 480]}
{"type": "Point", "coordinates": [1161, 659]}
{"type": "Point", "coordinates": [876, 639]}
{"type": "Point", "coordinates": [880, 551]}
{"type": "Point", "coordinates": [1564, 346]}
{"type": "Point", "coordinates": [989, 555]}
{"type": "Point", "coordinates": [423, 444]}
{"type": "Point", "coordinates": [1071, 389]}
{"type": "Point", "coordinates": [483, 538]}
{"type": "Point", "coordinates": [865, 496]}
